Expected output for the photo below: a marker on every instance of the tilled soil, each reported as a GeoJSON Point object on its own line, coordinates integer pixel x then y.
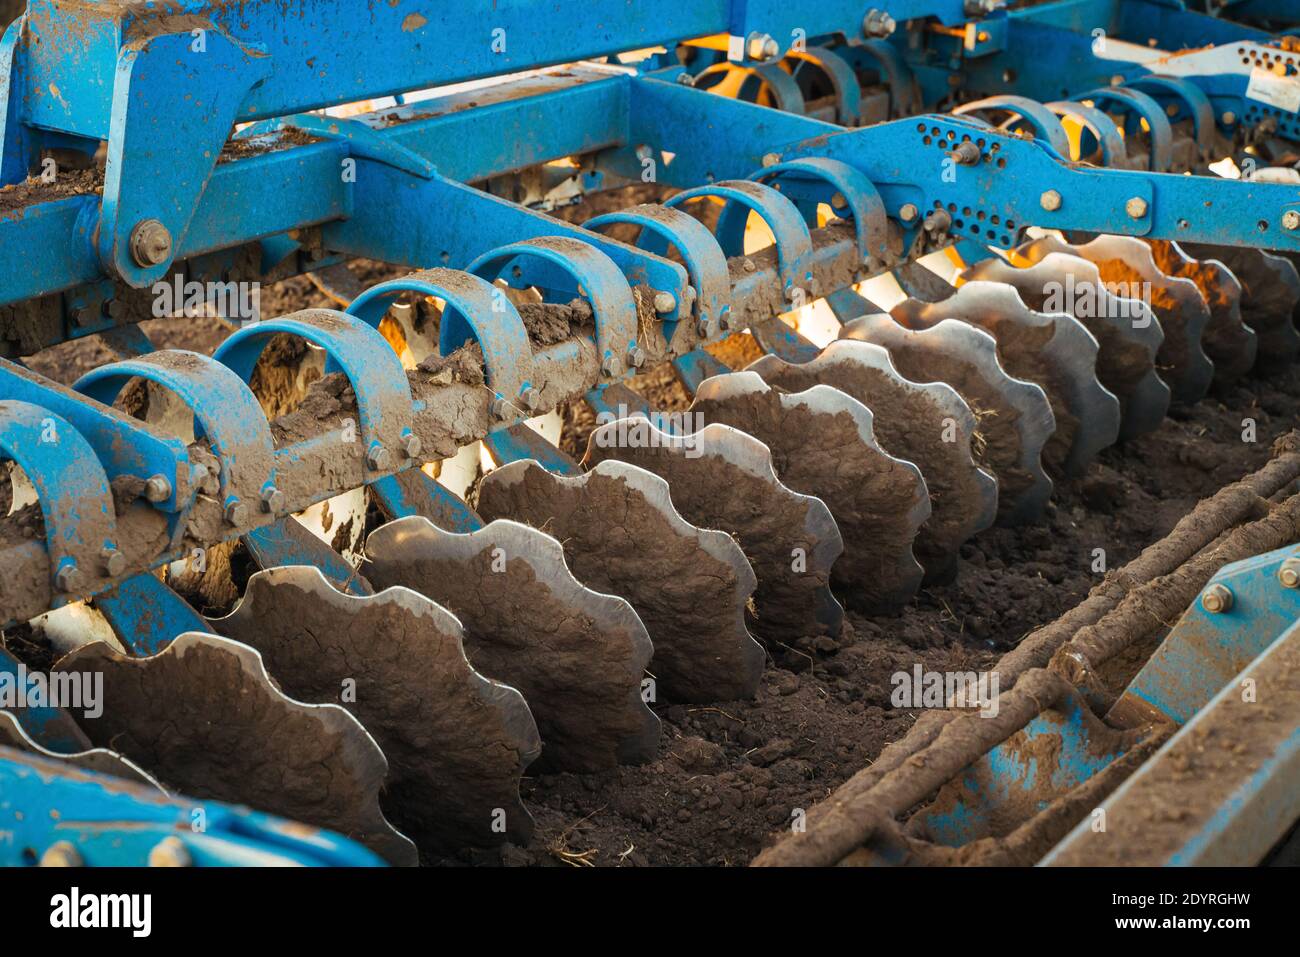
{"type": "Point", "coordinates": [732, 773]}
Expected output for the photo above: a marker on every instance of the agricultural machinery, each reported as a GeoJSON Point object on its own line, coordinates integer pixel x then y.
{"type": "Point", "coordinates": [327, 588]}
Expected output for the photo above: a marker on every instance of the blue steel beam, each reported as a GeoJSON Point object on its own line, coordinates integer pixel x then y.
{"type": "Point", "coordinates": [108, 821]}
{"type": "Point", "coordinates": [378, 49]}
{"type": "Point", "coordinates": [1240, 756]}
{"type": "Point", "coordinates": [46, 247]}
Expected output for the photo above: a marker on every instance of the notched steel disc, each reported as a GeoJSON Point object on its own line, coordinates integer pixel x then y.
{"type": "Point", "coordinates": [1128, 333]}
{"type": "Point", "coordinates": [99, 760]}
{"type": "Point", "coordinates": [1015, 418]}
{"type": "Point", "coordinates": [927, 424]}
{"type": "Point", "coordinates": [721, 477]}
{"type": "Point", "coordinates": [457, 742]}
{"type": "Point", "coordinates": [1054, 351]}
{"type": "Point", "coordinates": [1231, 344]}
{"type": "Point", "coordinates": [622, 536]}
{"type": "Point", "coordinates": [1270, 289]}
{"type": "Point", "coordinates": [1127, 265]}
{"type": "Point", "coordinates": [822, 444]}
{"type": "Point", "coordinates": [205, 719]}
{"type": "Point", "coordinates": [577, 656]}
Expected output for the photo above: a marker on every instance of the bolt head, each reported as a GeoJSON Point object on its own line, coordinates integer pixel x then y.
{"type": "Point", "coordinates": [170, 852]}
{"type": "Point", "coordinates": [761, 46]}
{"type": "Point", "coordinates": [379, 458]}
{"type": "Point", "coordinates": [967, 153]}
{"type": "Point", "coordinates": [500, 408]}
{"type": "Point", "coordinates": [157, 488]}
{"type": "Point", "coordinates": [770, 159]}
{"type": "Point", "coordinates": [877, 23]}
{"type": "Point", "coordinates": [69, 579]}
{"type": "Point", "coordinates": [1136, 207]}
{"type": "Point", "coordinates": [412, 445]}
{"type": "Point", "coordinates": [685, 79]}
{"type": "Point", "coordinates": [1289, 573]}
{"type": "Point", "coordinates": [1229, 118]}
{"type": "Point", "coordinates": [702, 328]}
{"type": "Point", "coordinates": [665, 302]}
{"type": "Point", "coordinates": [636, 357]}
{"type": "Point", "coordinates": [1050, 201]}
{"type": "Point", "coordinates": [531, 399]}
{"type": "Point", "coordinates": [114, 561]}
{"type": "Point", "coordinates": [838, 201]}
{"type": "Point", "coordinates": [938, 221]}
{"type": "Point", "coordinates": [273, 500]}
{"type": "Point", "coordinates": [609, 366]}
{"type": "Point", "coordinates": [1291, 220]}
{"type": "Point", "coordinates": [235, 513]}
{"type": "Point", "coordinates": [150, 243]}
{"type": "Point", "coordinates": [908, 212]}
{"type": "Point", "coordinates": [1216, 599]}
{"type": "Point", "coordinates": [61, 854]}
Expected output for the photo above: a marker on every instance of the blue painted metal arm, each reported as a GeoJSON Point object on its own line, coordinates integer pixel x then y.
{"type": "Point", "coordinates": [111, 822]}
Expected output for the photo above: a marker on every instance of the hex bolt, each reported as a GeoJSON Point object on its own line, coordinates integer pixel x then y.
{"type": "Point", "coordinates": [724, 321]}
{"type": "Point", "coordinates": [770, 159]}
{"type": "Point", "coordinates": [412, 445]}
{"type": "Point", "coordinates": [609, 366]}
{"type": "Point", "coordinates": [157, 488]}
{"type": "Point", "coordinates": [150, 243]}
{"type": "Point", "coordinates": [500, 408]}
{"type": "Point", "coordinates": [114, 561]}
{"type": "Point", "coordinates": [938, 221]}
{"type": "Point", "coordinates": [1216, 599]}
{"type": "Point", "coordinates": [1288, 573]}
{"type": "Point", "coordinates": [636, 357]}
{"type": "Point", "coordinates": [702, 328]}
{"type": "Point", "coordinates": [1050, 201]}
{"type": "Point", "coordinates": [665, 302]}
{"type": "Point", "coordinates": [966, 153]}
{"type": "Point", "coordinates": [378, 457]}
{"type": "Point", "coordinates": [170, 852]}
{"type": "Point", "coordinates": [68, 579]}
{"type": "Point", "coordinates": [748, 265]}
{"type": "Point", "coordinates": [685, 79]}
{"type": "Point", "coordinates": [530, 398]}
{"type": "Point", "coordinates": [761, 46]}
{"type": "Point", "coordinates": [1291, 220]}
{"type": "Point", "coordinates": [878, 23]}
{"type": "Point", "coordinates": [1136, 207]}
{"type": "Point", "coordinates": [273, 500]}
{"type": "Point", "coordinates": [61, 854]}
{"type": "Point", "coordinates": [1229, 118]}
{"type": "Point", "coordinates": [838, 201]}
{"type": "Point", "coordinates": [908, 212]}
{"type": "Point", "coordinates": [235, 513]}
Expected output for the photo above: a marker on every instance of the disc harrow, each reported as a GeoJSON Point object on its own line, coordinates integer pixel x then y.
{"type": "Point", "coordinates": [291, 604]}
